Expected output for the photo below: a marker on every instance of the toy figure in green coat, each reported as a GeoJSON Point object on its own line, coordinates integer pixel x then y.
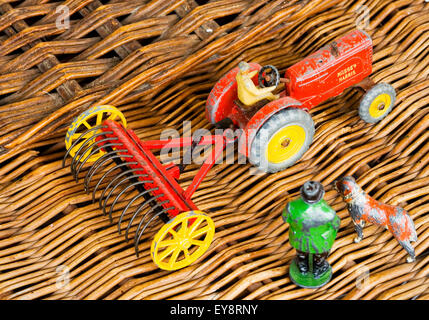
{"type": "Point", "coordinates": [313, 226]}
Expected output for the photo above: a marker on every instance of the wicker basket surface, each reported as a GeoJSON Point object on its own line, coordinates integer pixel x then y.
{"type": "Point", "coordinates": [157, 61]}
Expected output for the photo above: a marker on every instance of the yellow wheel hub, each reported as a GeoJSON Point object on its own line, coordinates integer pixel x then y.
{"type": "Point", "coordinates": [380, 105]}
{"type": "Point", "coordinates": [285, 143]}
{"type": "Point", "coordinates": [87, 120]}
{"type": "Point", "coordinates": [182, 240]}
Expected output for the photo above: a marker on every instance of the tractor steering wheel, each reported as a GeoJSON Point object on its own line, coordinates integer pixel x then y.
{"type": "Point", "coordinates": [268, 76]}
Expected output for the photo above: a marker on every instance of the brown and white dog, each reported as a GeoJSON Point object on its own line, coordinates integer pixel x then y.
{"type": "Point", "coordinates": [363, 208]}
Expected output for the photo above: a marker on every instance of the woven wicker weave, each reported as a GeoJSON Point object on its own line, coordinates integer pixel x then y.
{"type": "Point", "coordinates": [157, 61]}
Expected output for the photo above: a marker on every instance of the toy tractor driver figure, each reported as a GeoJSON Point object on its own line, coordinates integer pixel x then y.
{"type": "Point", "coordinates": [248, 93]}
{"type": "Point", "coordinates": [313, 226]}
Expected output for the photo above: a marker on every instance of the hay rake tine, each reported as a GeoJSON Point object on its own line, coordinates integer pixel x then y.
{"type": "Point", "coordinates": [79, 156]}
{"type": "Point", "coordinates": [124, 164]}
{"type": "Point", "coordinates": [119, 183]}
{"type": "Point", "coordinates": [137, 239]}
{"type": "Point", "coordinates": [93, 152]}
{"type": "Point", "coordinates": [99, 162]}
{"type": "Point", "coordinates": [122, 192]}
{"type": "Point", "coordinates": [130, 203]}
{"type": "Point", "coordinates": [135, 215]}
{"type": "Point", "coordinates": [95, 167]}
{"type": "Point", "coordinates": [151, 209]}
{"type": "Point", "coordinates": [139, 209]}
{"type": "Point", "coordinates": [77, 141]}
{"type": "Point", "coordinates": [104, 205]}
{"type": "Point", "coordinates": [76, 157]}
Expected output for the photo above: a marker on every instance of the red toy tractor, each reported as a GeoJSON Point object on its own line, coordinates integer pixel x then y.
{"type": "Point", "coordinates": [277, 133]}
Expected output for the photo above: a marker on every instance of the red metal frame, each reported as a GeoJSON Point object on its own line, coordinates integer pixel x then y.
{"type": "Point", "coordinates": [164, 176]}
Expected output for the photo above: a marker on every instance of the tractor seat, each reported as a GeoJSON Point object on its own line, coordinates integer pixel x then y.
{"type": "Point", "coordinates": [253, 107]}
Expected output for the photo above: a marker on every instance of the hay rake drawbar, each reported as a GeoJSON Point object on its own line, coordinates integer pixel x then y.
{"type": "Point", "coordinates": [187, 232]}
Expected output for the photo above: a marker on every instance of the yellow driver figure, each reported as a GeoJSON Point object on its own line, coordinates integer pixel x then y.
{"type": "Point", "coordinates": [248, 93]}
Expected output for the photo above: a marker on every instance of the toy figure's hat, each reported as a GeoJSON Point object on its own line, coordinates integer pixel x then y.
{"type": "Point", "coordinates": [312, 191]}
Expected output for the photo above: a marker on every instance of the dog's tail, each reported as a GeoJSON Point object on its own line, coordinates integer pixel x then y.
{"type": "Point", "coordinates": [402, 226]}
{"type": "Point", "coordinates": [410, 222]}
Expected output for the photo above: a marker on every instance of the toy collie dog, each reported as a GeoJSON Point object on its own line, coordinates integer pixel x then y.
{"type": "Point", "coordinates": [363, 208]}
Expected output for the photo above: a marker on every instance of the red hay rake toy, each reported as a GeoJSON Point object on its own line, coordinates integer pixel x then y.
{"type": "Point", "coordinates": [188, 232]}
{"type": "Point", "coordinates": [274, 136]}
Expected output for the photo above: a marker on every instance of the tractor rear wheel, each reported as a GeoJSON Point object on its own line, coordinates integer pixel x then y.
{"type": "Point", "coordinates": [282, 140]}
{"type": "Point", "coordinates": [377, 103]}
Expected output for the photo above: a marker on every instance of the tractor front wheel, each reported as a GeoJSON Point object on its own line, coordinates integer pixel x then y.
{"type": "Point", "coordinates": [377, 103]}
{"type": "Point", "coordinates": [282, 140]}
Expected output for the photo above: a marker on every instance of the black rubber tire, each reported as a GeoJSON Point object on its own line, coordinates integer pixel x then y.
{"type": "Point", "coordinates": [283, 118]}
{"type": "Point", "coordinates": [369, 97]}
{"type": "Point", "coordinates": [274, 81]}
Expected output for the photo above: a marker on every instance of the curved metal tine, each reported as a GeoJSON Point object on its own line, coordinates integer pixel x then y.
{"type": "Point", "coordinates": [144, 217]}
{"type": "Point", "coordinates": [91, 152]}
{"type": "Point", "coordinates": [120, 182]}
{"type": "Point", "coordinates": [134, 215]}
{"type": "Point", "coordinates": [122, 192]}
{"type": "Point", "coordinates": [136, 242]}
{"type": "Point", "coordinates": [76, 173]}
{"type": "Point", "coordinates": [77, 141]}
{"type": "Point", "coordinates": [106, 174]}
{"type": "Point", "coordinates": [150, 210]}
{"type": "Point", "coordinates": [76, 155]}
{"type": "Point", "coordinates": [96, 165]}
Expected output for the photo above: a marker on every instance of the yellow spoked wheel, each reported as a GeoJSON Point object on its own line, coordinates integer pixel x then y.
{"type": "Point", "coordinates": [377, 102]}
{"type": "Point", "coordinates": [86, 123]}
{"type": "Point", "coordinates": [285, 143]}
{"type": "Point", "coordinates": [182, 240]}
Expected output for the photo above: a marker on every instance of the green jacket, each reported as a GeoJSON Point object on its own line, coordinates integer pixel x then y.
{"type": "Point", "coordinates": [312, 227]}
